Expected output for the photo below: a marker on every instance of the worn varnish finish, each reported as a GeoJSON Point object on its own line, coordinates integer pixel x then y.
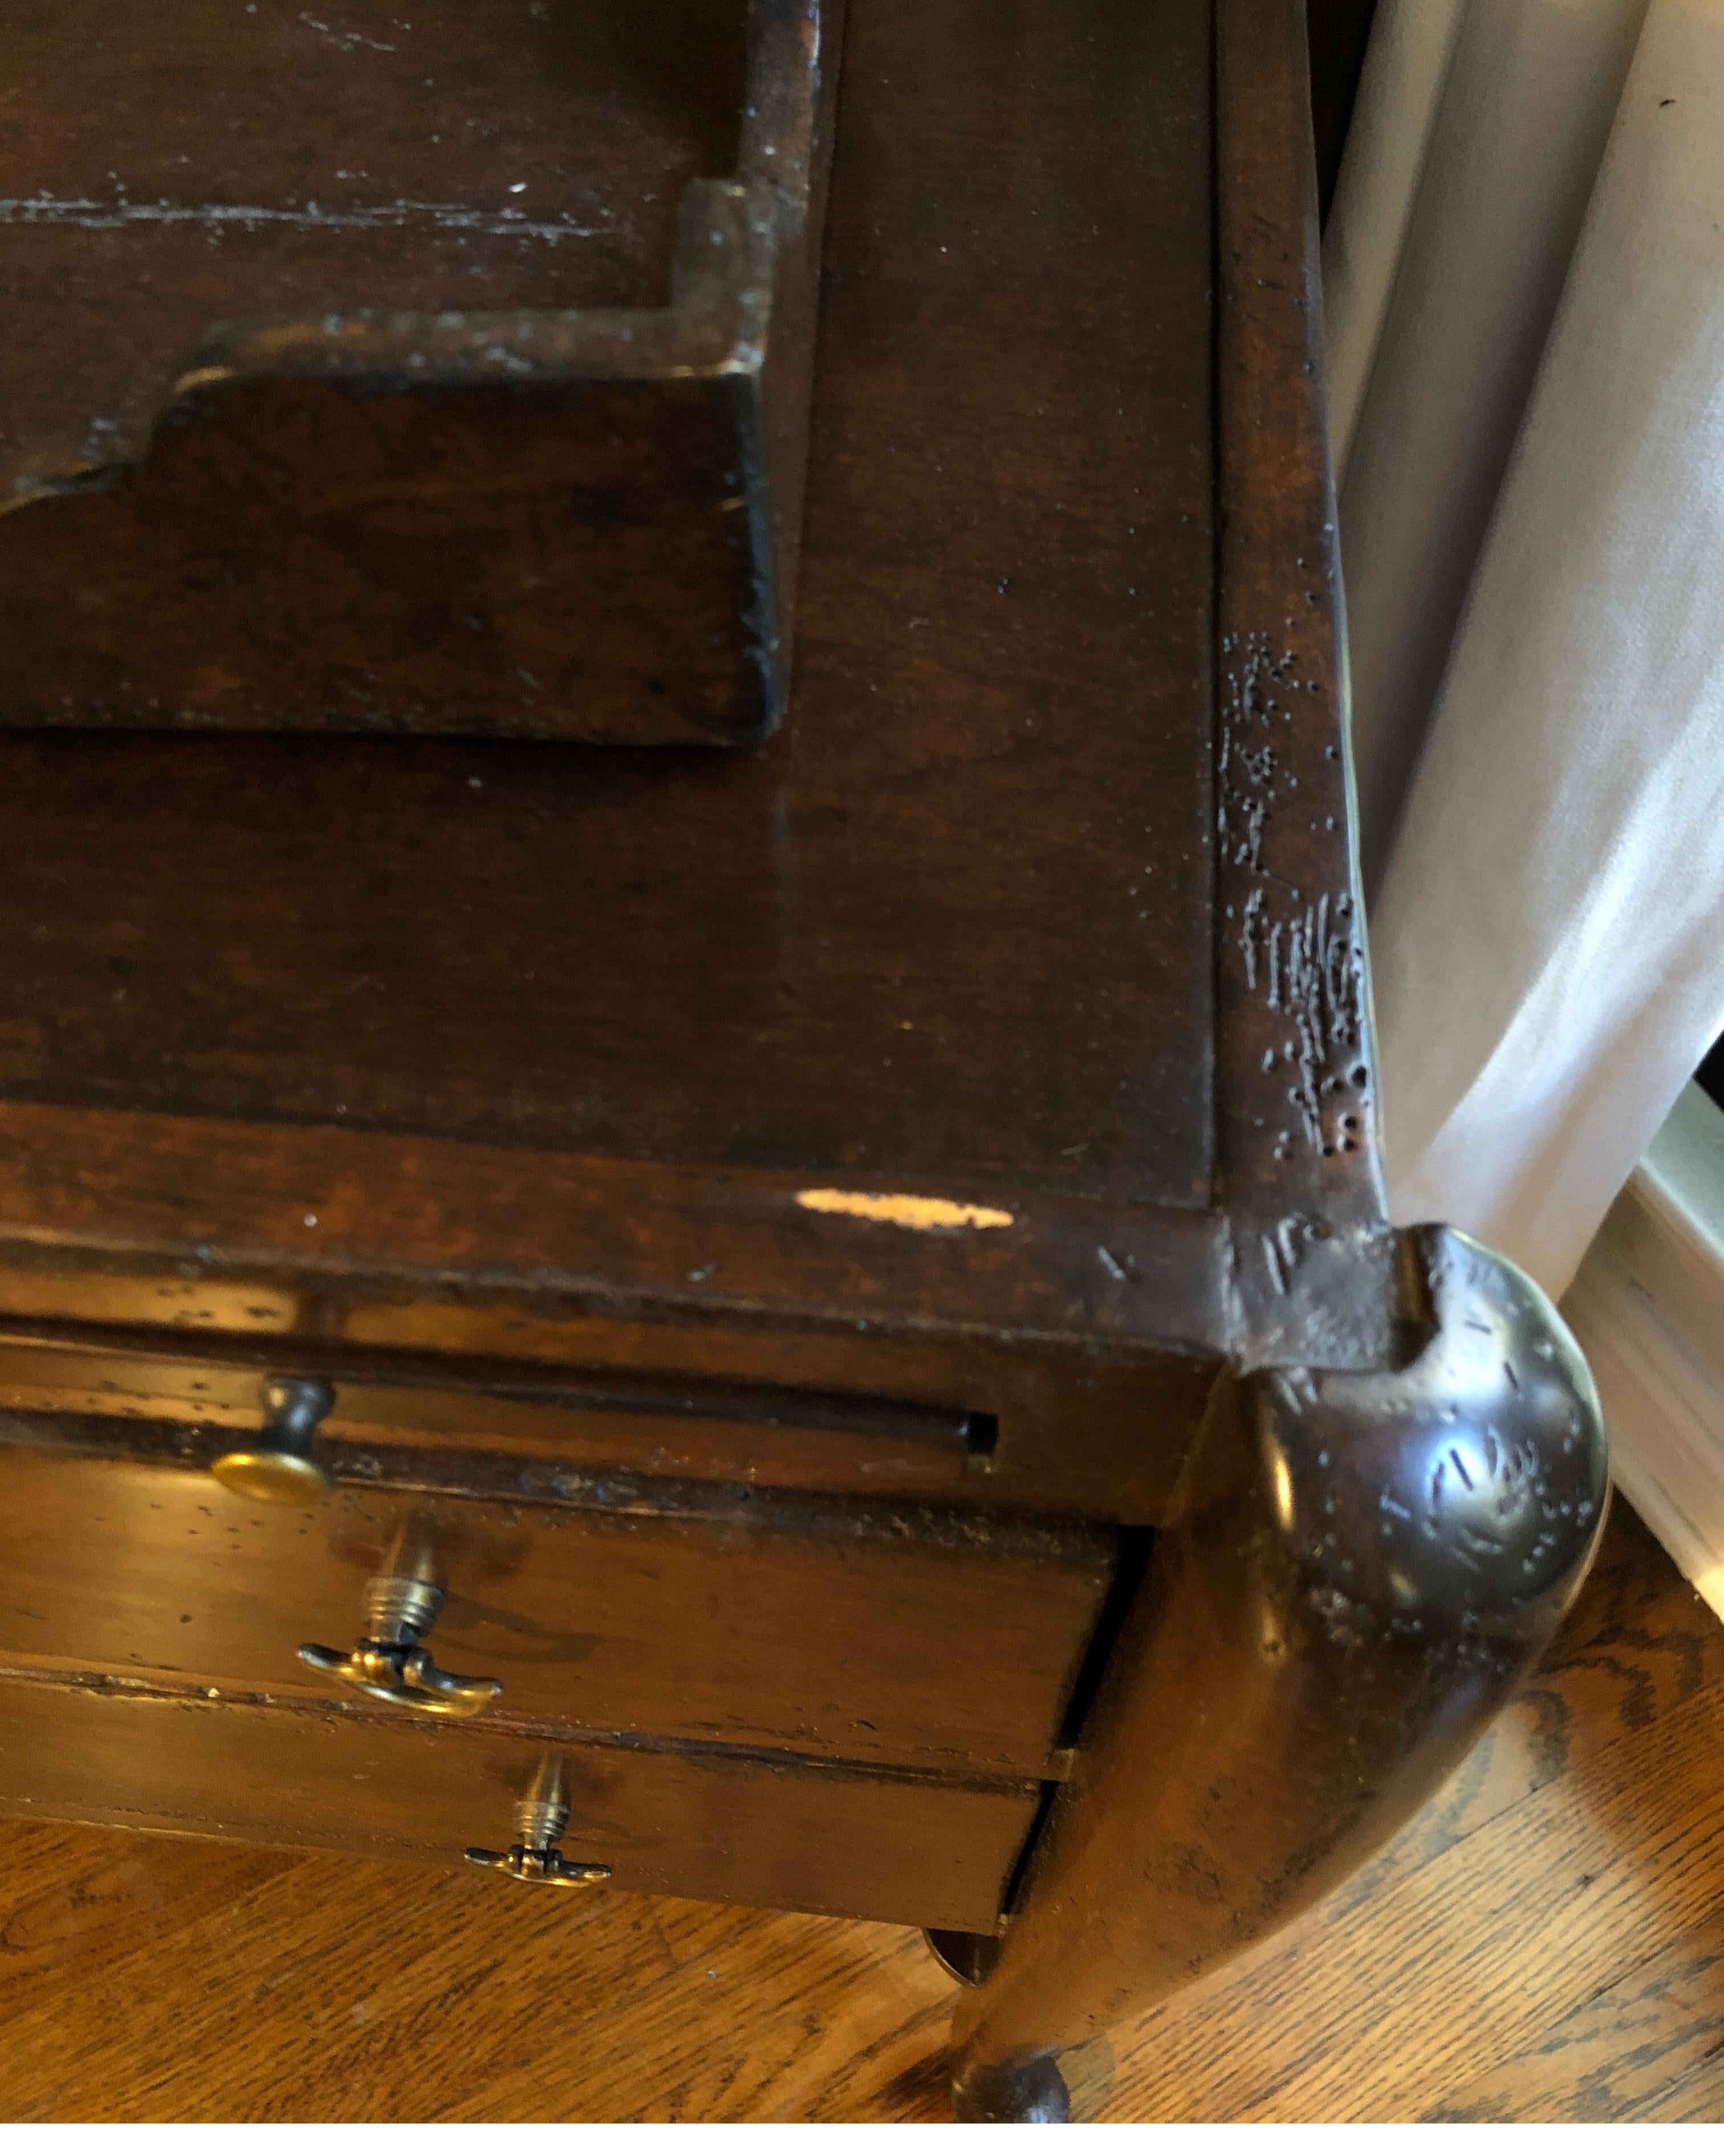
{"type": "Point", "coordinates": [441, 374]}
{"type": "Point", "coordinates": [1541, 1943]}
{"type": "Point", "coordinates": [983, 1062]}
{"type": "Point", "coordinates": [1296, 1117]}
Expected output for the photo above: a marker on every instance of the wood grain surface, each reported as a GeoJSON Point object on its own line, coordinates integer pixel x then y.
{"type": "Point", "coordinates": [1542, 1942]}
{"type": "Point", "coordinates": [869, 1633]}
{"type": "Point", "coordinates": [953, 920]}
{"type": "Point", "coordinates": [710, 1822]}
{"type": "Point", "coordinates": [201, 164]}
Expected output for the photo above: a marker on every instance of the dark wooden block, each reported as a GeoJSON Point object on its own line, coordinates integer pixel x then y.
{"type": "Point", "coordinates": [423, 373]}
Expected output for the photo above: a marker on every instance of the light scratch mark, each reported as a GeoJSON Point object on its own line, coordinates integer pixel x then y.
{"type": "Point", "coordinates": [87, 215]}
{"type": "Point", "coordinates": [348, 40]}
{"type": "Point", "coordinates": [926, 1216]}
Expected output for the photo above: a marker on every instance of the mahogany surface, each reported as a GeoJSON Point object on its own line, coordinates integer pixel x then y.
{"type": "Point", "coordinates": [425, 158]}
{"type": "Point", "coordinates": [447, 375]}
{"type": "Point", "coordinates": [952, 923]}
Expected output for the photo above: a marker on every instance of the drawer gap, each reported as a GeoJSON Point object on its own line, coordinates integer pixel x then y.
{"type": "Point", "coordinates": [1135, 1547]}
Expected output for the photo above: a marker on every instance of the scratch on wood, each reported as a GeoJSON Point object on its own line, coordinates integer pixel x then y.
{"type": "Point", "coordinates": [926, 1216]}
{"type": "Point", "coordinates": [87, 215]}
{"type": "Point", "coordinates": [1248, 935]}
{"type": "Point", "coordinates": [349, 40]}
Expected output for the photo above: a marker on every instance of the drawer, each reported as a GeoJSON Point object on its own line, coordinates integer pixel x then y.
{"type": "Point", "coordinates": [898, 1848]}
{"type": "Point", "coordinates": [710, 1428]}
{"type": "Point", "coordinates": [830, 1628]}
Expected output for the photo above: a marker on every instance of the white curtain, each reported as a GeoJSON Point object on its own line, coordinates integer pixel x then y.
{"type": "Point", "coordinates": [1524, 276]}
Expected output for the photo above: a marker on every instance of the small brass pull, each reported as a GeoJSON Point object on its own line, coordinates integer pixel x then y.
{"type": "Point", "coordinates": [280, 1468]}
{"type": "Point", "coordinates": [389, 1663]}
{"type": "Point", "coordinates": [540, 1820]}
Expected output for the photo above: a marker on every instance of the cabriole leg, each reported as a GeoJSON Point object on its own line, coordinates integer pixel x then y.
{"type": "Point", "coordinates": [1358, 1570]}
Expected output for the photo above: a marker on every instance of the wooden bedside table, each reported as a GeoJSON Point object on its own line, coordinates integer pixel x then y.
{"type": "Point", "coordinates": [810, 1324]}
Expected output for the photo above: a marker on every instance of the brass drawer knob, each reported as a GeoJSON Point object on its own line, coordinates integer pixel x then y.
{"type": "Point", "coordinates": [390, 1663]}
{"type": "Point", "coordinates": [540, 1820]}
{"type": "Point", "coordinates": [279, 1468]}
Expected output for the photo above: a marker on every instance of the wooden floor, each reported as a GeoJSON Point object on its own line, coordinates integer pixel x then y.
{"type": "Point", "coordinates": [1546, 1942]}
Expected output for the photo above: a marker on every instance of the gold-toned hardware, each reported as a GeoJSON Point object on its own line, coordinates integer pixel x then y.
{"type": "Point", "coordinates": [279, 1468]}
{"type": "Point", "coordinates": [389, 1662]}
{"type": "Point", "coordinates": [540, 1820]}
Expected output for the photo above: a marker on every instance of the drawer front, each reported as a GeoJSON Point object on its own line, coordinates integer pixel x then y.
{"type": "Point", "coordinates": [774, 1833]}
{"type": "Point", "coordinates": [779, 1436]}
{"type": "Point", "coordinates": [838, 1630]}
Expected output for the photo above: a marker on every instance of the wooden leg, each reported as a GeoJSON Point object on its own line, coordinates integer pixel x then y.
{"type": "Point", "coordinates": [1358, 1570]}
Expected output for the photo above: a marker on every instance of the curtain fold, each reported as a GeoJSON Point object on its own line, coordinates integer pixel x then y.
{"type": "Point", "coordinates": [1532, 527]}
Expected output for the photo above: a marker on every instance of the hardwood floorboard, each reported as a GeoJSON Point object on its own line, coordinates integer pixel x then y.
{"type": "Point", "coordinates": [1545, 1941]}
{"type": "Point", "coordinates": [1696, 2100]}
{"type": "Point", "coordinates": [1622, 2052]}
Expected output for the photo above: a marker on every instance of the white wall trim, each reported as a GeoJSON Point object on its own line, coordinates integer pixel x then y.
{"type": "Point", "coordinates": [1648, 1307]}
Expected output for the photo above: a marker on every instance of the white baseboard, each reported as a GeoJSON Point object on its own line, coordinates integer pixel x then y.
{"type": "Point", "coordinates": [1648, 1307]}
